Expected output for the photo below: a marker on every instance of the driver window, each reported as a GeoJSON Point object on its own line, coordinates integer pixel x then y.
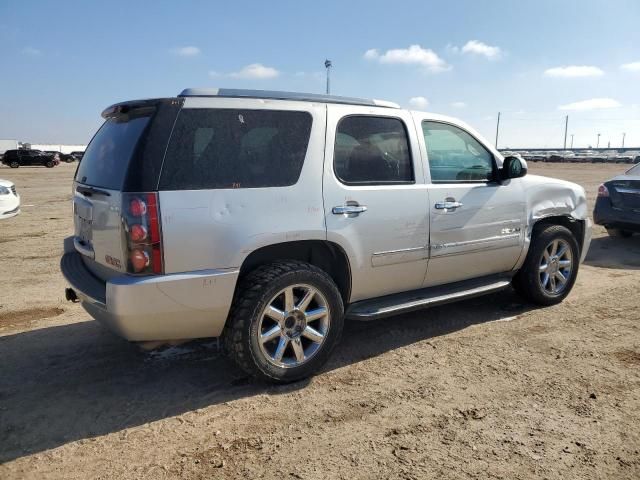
{"type": "Point", "coordinates": [455, 156]}
{"type": "Point", "coordinates": [372, 150]}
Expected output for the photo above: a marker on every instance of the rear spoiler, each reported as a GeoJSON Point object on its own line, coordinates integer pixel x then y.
{"type": "Point", "coordinates": [140, 107]}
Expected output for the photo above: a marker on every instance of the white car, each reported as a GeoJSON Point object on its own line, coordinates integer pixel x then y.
{"type": "Point", "coordinates": [9, 199]}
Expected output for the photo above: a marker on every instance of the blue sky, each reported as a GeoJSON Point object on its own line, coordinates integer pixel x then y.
{"type": "Point", "coordinates": [63, 62]}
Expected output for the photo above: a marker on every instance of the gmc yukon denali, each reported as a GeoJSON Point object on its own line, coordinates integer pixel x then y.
{"type": "Point", "coordinates": [268, 218]}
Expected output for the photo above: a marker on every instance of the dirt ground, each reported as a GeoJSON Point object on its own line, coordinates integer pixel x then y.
{"type": "Point", "coordinates": [488, 388]}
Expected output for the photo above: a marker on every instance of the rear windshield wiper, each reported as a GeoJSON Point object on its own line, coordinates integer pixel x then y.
{"type": "Point", "coordinates": [88, 191]}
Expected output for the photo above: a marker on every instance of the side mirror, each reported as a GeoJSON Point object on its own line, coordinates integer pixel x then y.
{"type": "Point", "coordinates": [513, 167]}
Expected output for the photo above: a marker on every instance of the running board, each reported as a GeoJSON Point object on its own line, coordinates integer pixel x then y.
{"type": "Point", "coordinates": [381, 307]}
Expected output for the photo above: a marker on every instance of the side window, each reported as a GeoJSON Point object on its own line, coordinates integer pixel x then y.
{"type": "Point", "coordinates": [455, 156]}
{"type": "Point", "coordinates": [372, 150]}
{"type": "Point", "coordinates": [229, 148]}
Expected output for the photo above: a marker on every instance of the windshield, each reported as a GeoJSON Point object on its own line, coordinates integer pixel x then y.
{"type": "Point", "coordinates": [107, 157]}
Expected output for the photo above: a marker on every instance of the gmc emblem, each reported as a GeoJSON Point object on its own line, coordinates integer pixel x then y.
{"type": "Point", "coordinates": [113, 261]}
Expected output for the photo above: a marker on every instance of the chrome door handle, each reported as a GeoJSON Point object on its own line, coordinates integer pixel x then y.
{"type": "Point", "coordinates": [348, 209]}
{"type": "Point", "coordinates": [448, 205]}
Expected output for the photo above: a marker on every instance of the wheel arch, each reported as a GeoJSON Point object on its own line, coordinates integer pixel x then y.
{"type": "Point", "coordinates": [328, 256]}
{"type": "Point", "coordinates": [575, 225]}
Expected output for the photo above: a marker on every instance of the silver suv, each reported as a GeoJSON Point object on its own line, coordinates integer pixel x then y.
{"type": "Point", "coordinates": [268, 218]}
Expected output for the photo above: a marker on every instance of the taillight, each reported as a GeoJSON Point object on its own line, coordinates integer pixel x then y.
{"type": "Point", "coordinates": [139, 259]}
{"type": "Point", "coordinates": [141, 218]}
{"type": "Point", "coordinates": [603, 191]}
{"type": "Point", "coordinates": [137, 232]}
{"type": "Point", "coordinates": [137, 207]}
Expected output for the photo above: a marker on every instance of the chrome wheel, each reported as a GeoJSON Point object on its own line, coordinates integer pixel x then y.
{"type": "Point", "coordinates": [294, 326]}
{"type": "Point", "coordinates": [556, 267]}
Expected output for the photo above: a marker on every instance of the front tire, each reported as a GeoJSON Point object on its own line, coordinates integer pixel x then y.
{"type": "Point", "coordinates": [14, 164]}
{"type": "Point", "coordinates": [286, 319]}
{"type": "Point", "coordinates": [49, 164]}
{"type": "Point", "coordinates": [550, 269]}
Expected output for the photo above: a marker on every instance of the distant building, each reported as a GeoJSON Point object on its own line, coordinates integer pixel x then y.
{"type": "Point", "coordinates": [58, 148]}
{"type": "Point", "coordinates": [8, 145]}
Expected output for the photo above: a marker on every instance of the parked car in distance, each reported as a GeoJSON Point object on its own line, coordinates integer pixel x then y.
{"type": "Point", "coordinates": [9, 199]}
{"type": "Point", "coordinates": [217, 213]}
{"type": "Point", "coordinates": [77, 155]}
{"type": "Point", "coordinates": [25, 157]}
{"type": "Point", "coordinates": [618, 204]}
{"type": "Point", "coordinates": [63, 157]}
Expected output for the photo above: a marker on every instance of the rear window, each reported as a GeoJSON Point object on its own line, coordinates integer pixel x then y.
{"type": "Point", "coordinates": [229, 148]}
{"type": "Point", "coordinates": [106, 159]}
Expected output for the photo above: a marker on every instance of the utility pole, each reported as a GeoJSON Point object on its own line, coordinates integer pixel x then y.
{"type": "Point", "coordinates": [566, 124]}
{"type": "Point", "coordinates": [497, 130]}
{"type": "Point", "coordinates": [572, 140]}
{"type": "Point", "coordinates": [598, 143]}
{"type": "Point", "coordinates": [328, 65]}
{"type": "Point", "coordinates": [623, 135]}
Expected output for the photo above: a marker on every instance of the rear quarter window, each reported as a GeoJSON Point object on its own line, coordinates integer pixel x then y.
{"type": "Point", "coordinates": [230, 148]}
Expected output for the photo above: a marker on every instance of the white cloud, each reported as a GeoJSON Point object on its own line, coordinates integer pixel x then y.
{"type": "Point", "coordinates": [188, 51]}
{"type": "Point", "coordinates": [458, 105]}
{"type": "Point", "coordinates": [414, 55]}
{"type": "Point", "coordinates": [479, 48]}
{"type": "Point", "coordinates": [631, 67]}
{"type": "Point", "coordinates": [371, 54]}
{"type": "Point", "coordinates": [256, 71]}
{"type": "Point", "coordinates": [420, 103]}
{"type": "Point", "coordinates": [34, 52]}
{"type": "Point", "coordinates": [591, 104]}
{"type": "Point", "coordinates": [214, 74]}
{"type": "Point", "coordinates": [573, 71]}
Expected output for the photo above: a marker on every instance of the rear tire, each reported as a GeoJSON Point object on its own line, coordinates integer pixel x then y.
{"type": "Point", "coordinates": [550, 269]}
{"type": "Point", "coordinates": [617, 232]}
{"type": "Point", "coordinates": [49, 164]}
{"type": "Point", "coordinates": [276, 330]}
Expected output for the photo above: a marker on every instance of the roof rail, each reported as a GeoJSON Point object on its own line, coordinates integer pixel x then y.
{"type": "Point", "coordinates": [276, 95]}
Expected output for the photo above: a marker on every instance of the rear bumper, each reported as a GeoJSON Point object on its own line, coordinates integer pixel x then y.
{"type": "Point", "coordinates": [162, 307]}
{"type": "Point", "coordinates": [604, 214]}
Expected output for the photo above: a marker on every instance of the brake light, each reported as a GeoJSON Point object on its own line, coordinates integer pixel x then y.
{"type": "Point", "coordinates": [141, 218]}
{"type": "Point", "coordinates": [137, 207]}
{"type": "Point", "coordinates": [138, 233]}
{"type": "Point", "coordinates": [603, 191]}
{"type": "Point", "coordinates": [139, 259]}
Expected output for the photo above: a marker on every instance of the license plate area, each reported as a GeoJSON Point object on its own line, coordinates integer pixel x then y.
{"type": "Point", "coordinates": [83, 214]}
{"type": "Point", "coordinates": [84, 230]}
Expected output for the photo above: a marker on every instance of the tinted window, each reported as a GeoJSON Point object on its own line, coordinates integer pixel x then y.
{"type": "Point", "coordinates": [224, 148]}
{"type": "Point", "coordinates": [371, 150]}
{"type": "Point", "coordinates": [454, 155]}
{"type": "Point", "coordinates": [107, 157]}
